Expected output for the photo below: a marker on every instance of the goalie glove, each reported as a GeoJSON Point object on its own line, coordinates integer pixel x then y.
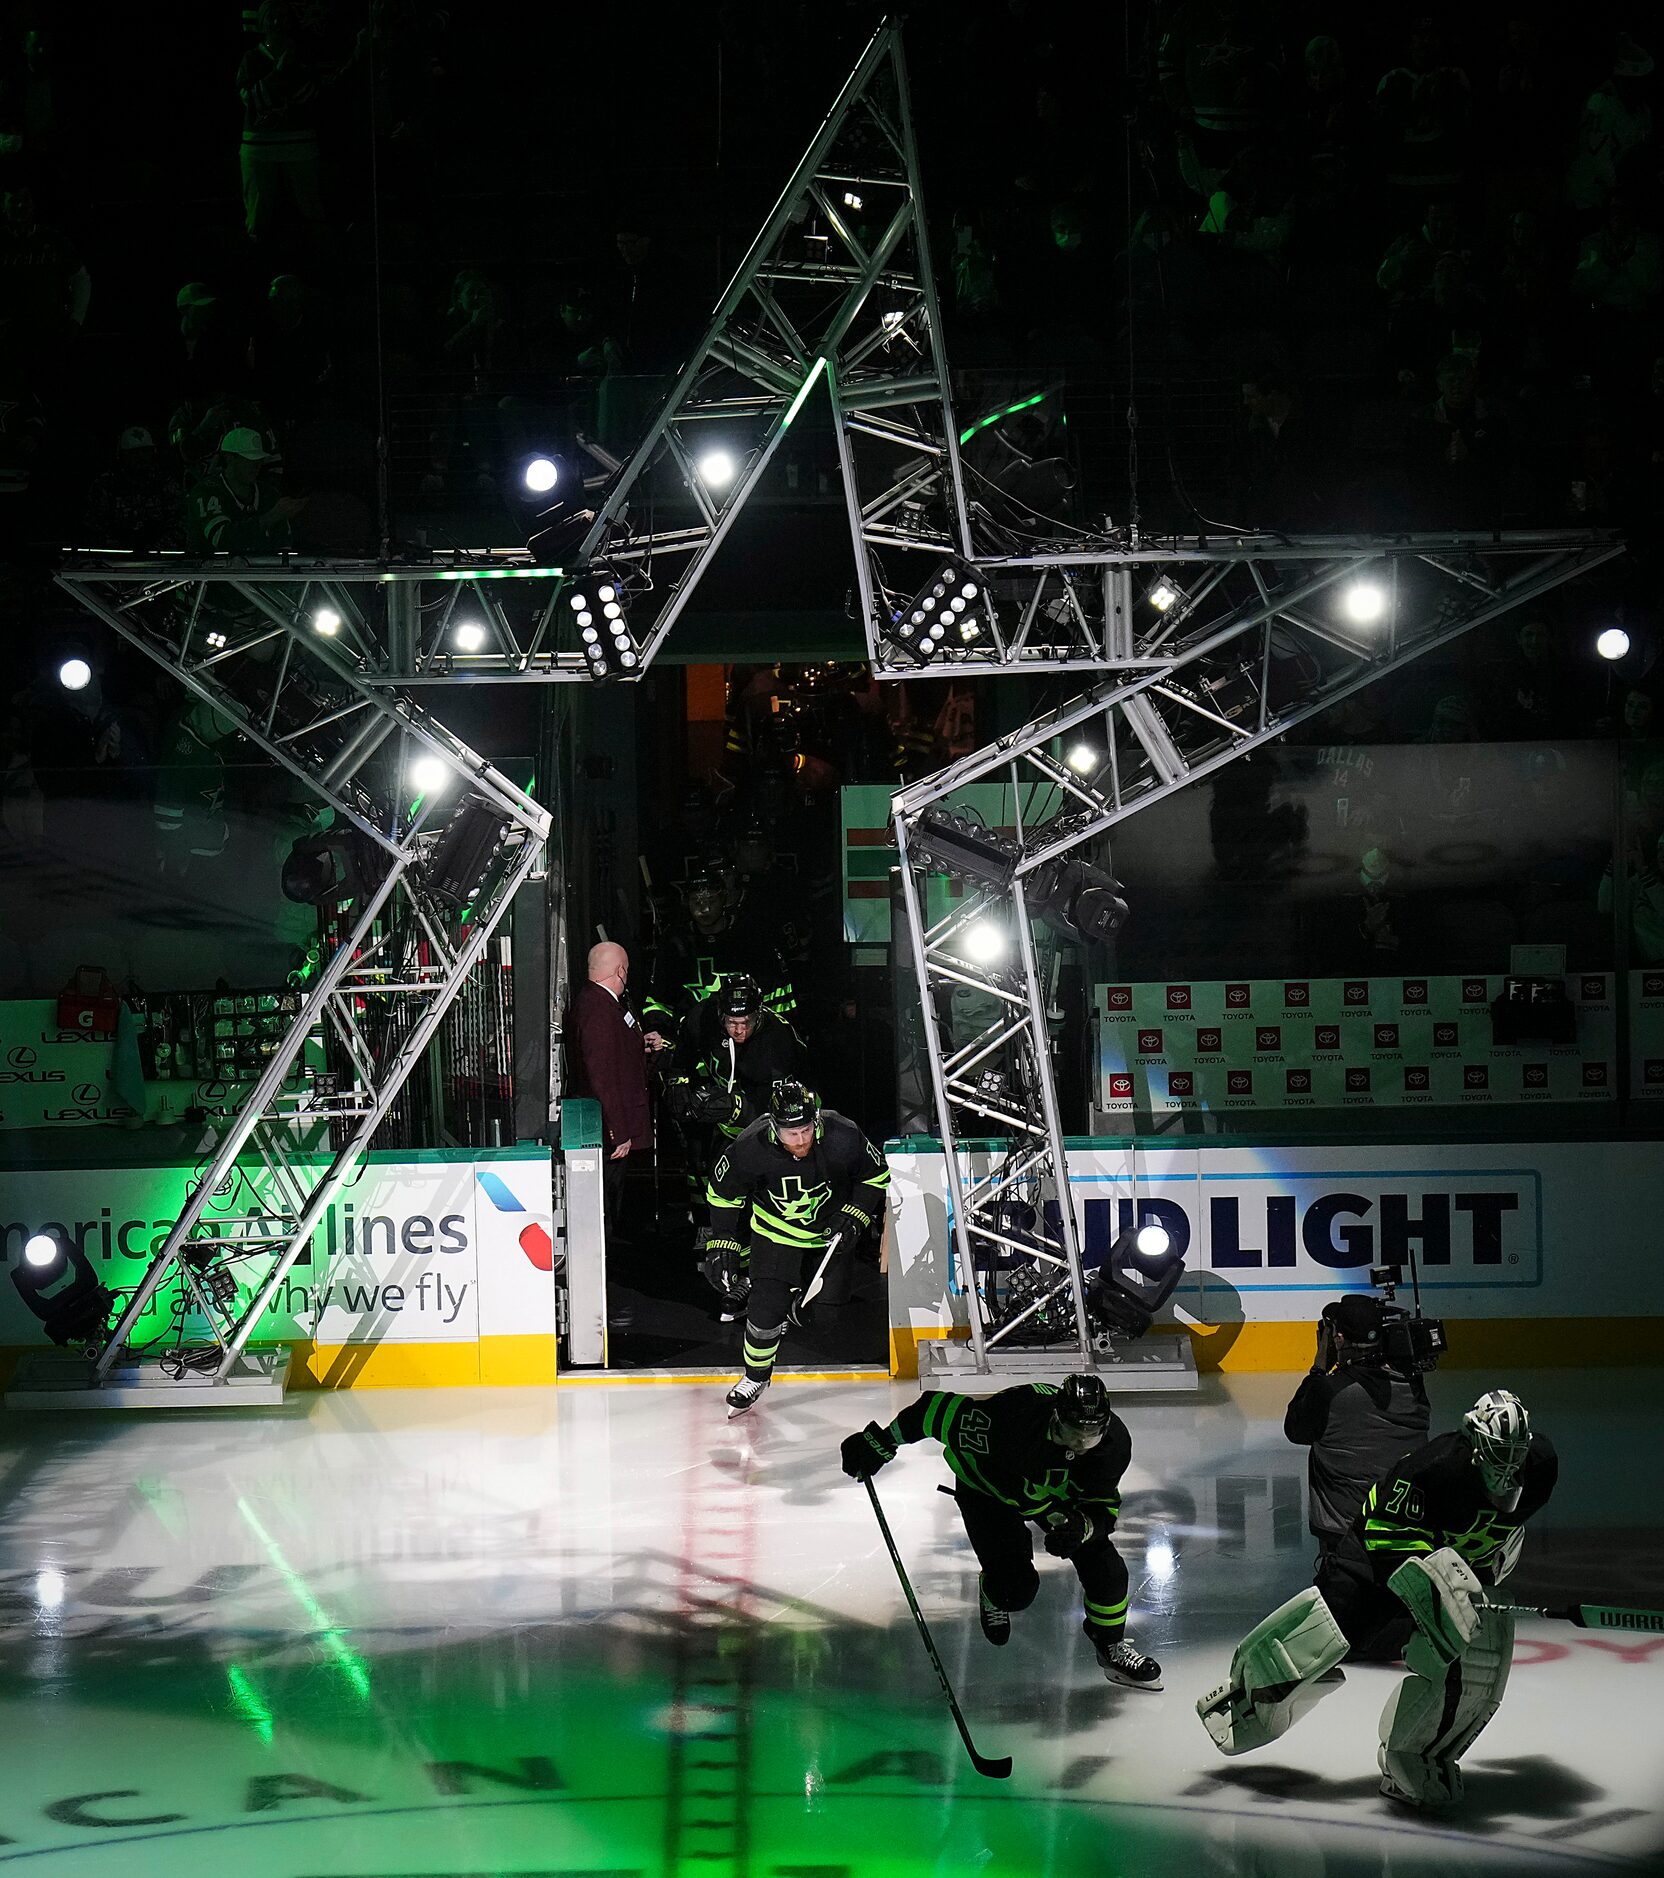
{"type": "Point", "coordinates": [864, 1453]}
{"type": "Point", "coordinates": [1067, 1532]}
{"type": "Point", "coordinates": [1438, 1591]}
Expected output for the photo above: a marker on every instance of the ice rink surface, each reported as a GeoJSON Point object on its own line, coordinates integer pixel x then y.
{"type": "Point", "coordinates": [600, 1630]}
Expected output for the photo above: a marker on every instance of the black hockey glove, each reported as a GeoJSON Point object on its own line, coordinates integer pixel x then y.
{"type": "Point", "coordinates": [862, 1222]}
{"type": "Point", "coordinates": [864, 1453]}
{"type": "Point", "coordinates": [677, 1090]}
{"type": "Point", "coordinates": [1067, 1532]}
{"type": "Point", "coordinates": [715, 1106]}
{"type": "Point", "coordinates": [722, 1266]}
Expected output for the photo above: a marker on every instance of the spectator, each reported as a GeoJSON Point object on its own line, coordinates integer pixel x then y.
{"type": "Point", "coordinates": [1646, 903]}
{"type": "Point", "coordinates": [214, 353]}
{"type": "Point", "coordinates": [45, 289]}
{"type": "Point", "coordinates": [290, 354]}
{"type": "Point", "coordinates": [1448, 320]}
{"type": "Point", "coordinates": [230, 512]}
{"type": "Point", "coordinates": [32, 136]}
{"type": "Point", "coordinates": [280, 87]}
{"type": "Point", "coordinates": [1406, 268]}
{"type": "Point", "coordinates": [646, 301]}
{"type": "Point", "coordinates": [1459, 454]}
{"type": "Point", "coordinates": [1619, 270]}
{"type": "Point", "coordinates": [1281, 481]}
{"type": "Point", "coordinates": [1533, 687]}
{"type": "Point", "coordinates": [136, 503]}
{"type": "Point", "coordinates": [1421, 108]}
{"type": "Point", "coordinates": [1617, 122]}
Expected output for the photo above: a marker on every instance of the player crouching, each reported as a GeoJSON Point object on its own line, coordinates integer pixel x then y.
{"type": "Point", "coordinates": [1431, 1535]}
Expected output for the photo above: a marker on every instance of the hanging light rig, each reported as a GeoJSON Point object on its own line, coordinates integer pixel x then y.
{"type": "Point", "coordinates": [951, 613]}
{"type": "Point", "coordinates": [604, 635]}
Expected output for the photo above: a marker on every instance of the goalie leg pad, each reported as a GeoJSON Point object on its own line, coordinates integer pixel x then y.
{"type": "Point", "coordinates": [1429, 1724]}
{"type": "Point", "coordinates": [1284, 1666]}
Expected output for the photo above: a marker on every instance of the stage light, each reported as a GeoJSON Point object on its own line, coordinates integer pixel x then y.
{"type": "Point", "coordinates": [540, 475]}
{"type": "Point", "coordinates": [326, 621]}
{"type": "Point", "coordinates": [891, 320]}
{"type": "Point", "coordinates": [1153, 1241]}
{"type": "Point", "coordinates": [429, 774]}
{"type": "Point", "coordinates": [716, 469]}
{"type": "Point", "coordinates": [984, 942]}
{"type": "Point", "coordinates": [851, 200]}
{"type": "Point", "coordinates": [598, 612]}
{"type": "Point", "coordinates": [41, 1250]}
{"type": "Point", "coordinates": [75, 674]}
{"type": "Point", "coordinates": [1163, 594]}
{"type": "Point", "coordinates": [1613, 643]}
{"type": "Point", "coordinates": [470, 636]}
{"type": "Point", "coordinates": [217, 641]}
{"type": "Point", "coordinates": [950, 614]}
{"type": "Point", "coordinates": [1363, 602]}
{"type": "Point", "coordinates": [1083, 759]}
{"type": "Point", "coordinates": [465, 852]}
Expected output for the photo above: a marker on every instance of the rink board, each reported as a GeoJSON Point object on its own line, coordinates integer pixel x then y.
{"type": "Point", "coordinates": [1535, 1253]}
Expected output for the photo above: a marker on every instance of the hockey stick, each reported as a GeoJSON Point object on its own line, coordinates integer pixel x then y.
{"type": "Point", "coordinates": [807, 1296]}
{"type": "Point", "coordinates": [995, 1768]}
{"type": "Point", "coordinates": [1587, 1616]}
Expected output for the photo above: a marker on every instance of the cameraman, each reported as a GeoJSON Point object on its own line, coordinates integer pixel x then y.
{"type": "Point", "coordinates": [1357, 1413]}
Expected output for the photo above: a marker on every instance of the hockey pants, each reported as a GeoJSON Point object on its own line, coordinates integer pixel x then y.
{"type": "Point", "coordinates": [1004, 1546]}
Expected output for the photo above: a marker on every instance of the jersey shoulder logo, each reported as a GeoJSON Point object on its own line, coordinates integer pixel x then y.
{"type": "Point", "coordinates": [795, 1201]}
{"type": "Point", "coordinates": [720, 1171]}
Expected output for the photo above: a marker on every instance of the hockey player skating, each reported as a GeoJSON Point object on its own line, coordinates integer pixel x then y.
{"type": "Point", "coordinates": [796, 1179]}
{"type": "Point", "coordinates": [1038, 1452]}
{"type": "Point", "coordinates": [1438, 1528]}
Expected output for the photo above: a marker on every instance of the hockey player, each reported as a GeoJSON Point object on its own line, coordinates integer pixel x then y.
{"type": "Point", "coordinates": [729, 1055]}
{"type": "Point", "coordinates": [1355, 1411]}
{"type": "Point", "coordinates": [1430, 1536]}
{"type": "Point", "coordinates": [1042, 1453]}
{"type": "Point", "coordinates": [798, 1177]}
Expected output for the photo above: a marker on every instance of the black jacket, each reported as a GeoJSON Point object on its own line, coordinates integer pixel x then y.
{"type": "Point", "coordinates": [1357, 1420]}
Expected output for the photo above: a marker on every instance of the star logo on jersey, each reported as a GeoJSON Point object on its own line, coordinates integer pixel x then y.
{"type": "Point", "coordinates": [798, 1203]}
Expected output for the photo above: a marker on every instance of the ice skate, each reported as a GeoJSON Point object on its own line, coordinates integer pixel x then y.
{"type": "Point", "coordinates": [1122, 1664]}
{"type": "Point", "coordinates": [996, 1624]}
{"type": "Point", "coordinates": [744, 1395]}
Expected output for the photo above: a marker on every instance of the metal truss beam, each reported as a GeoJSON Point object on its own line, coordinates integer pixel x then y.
{"type": "Point", "coordinates": [429, 864]}
{"type": "Point", "coordinates": [1249, 646]}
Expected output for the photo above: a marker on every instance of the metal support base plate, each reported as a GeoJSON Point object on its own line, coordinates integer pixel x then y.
{"type": "Point", "coordinates": [1150, 1364]}
{"type": "Point", "coordinates": [63, 1379]}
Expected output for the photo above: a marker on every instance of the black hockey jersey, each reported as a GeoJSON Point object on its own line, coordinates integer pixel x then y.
{"type": "Point", "coordinates": [1358, 1421]}
{"type": "Point", "coordinates": [705, 1053]}
{"type": "Point", "coordinates": [1435, 1497]}
{"type": "Point", "coordinates": [998, 1446]}
{"type": "Point", "coordinates": [838, 1187]}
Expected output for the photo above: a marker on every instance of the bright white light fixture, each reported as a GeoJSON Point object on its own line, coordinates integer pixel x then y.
{"type": "Point", "coordinates": [851, 200]}
{"type": "Point", "coordinates": [541, 474]}
{"type": "Point", "coordinates": [469, 636]}
{"type": "Point", "coordinates": [75, 674]}
{"type": "Point", "coordinates": [1083, 759]}
{"type": "Point", "coordinates": [716, 469]}
{"type": "Point", "coordinates": [891, 320]}
{"type": "Point", "coordinates": [1163, 594]}
{"type": "Point", "coordinates": [326, 621]}
{"type": "Point", "coordinates": [1363, 602]}
{"type": "Point", "coordinates": [984, 942]}
{"type": "Point", "coordinates": [1153, 1241]}
{"type": "Point", "coordinates": [1613, 643]}
{"type": "Point", "coordinates": [429, 774]}
{"type": "Point", "coordinates": [40, 1250]}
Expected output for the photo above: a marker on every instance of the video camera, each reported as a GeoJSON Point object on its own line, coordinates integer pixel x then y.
{"type": "Point", "coordinates": [1408, 1339]}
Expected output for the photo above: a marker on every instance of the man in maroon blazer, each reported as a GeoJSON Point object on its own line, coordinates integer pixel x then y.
{"type": "Point", "coordinates": [610, 1060]}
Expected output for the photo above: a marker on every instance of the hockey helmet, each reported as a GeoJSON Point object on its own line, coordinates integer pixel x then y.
{"type": "Point", "coordinates": [1500, 1430]}
{"type": "Point", "coordinates": [740, 997]}
{"type": "Point", "coordinates": [1080, 1413]}
{"type": "Point", "coordinates": [791, 1105]}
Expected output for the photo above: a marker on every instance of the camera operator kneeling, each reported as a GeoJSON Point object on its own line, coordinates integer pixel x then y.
{"type": "Point", "coordinates": [1357, 1411]}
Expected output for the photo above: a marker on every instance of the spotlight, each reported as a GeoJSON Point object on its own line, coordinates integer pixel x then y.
{"type": "Point", "coordinates": [949, 615]}
{"type": "Point", "coordinates": [76, 674]}
{"type": "Point", "coordinates": [41, 1250]}
{"type": "Point", "coordinates": [469, 637]}
{"type": "Point", "coordinates": [429, 774]}
{"type": "Point", "coordinates": [56, 1280]}
{"type": "Point", "coordinates": [1364, 601]}
{"type": "Point", "coordinates": [465, 853]}
{"type": "Point", "coordinates": [324, 869]}
{"type": "Point", "coordinates": [1612, 644]}
{"type": "Point", "coordinates": [540, 475]}
{"type": "Point", "coordinates": [892, 320]}
{"type": "Point", "coordinates": [1132, 1284]}
{"type": "Point", "coordinates": [599, 605]}
{"type": "Point", "coordinates": [984, 942]}
{"type": "Point", "coordinates": [326, 621]}
{"type": "Point", "coordinates": [851, 200]}
{"type": "Point", "coordinates": [1163, 594]}
{"type": "Point", "coordinates": [1153, 1241]}
{"type": "Point", "coordinates": [716, 469]}
{"type": "Point", "coordinates": [217, 641]}
{"type": "Point", "coordinates": [1083, 759]}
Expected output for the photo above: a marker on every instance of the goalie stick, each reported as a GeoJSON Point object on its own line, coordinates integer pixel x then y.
{"type": "Point", "coordinates": [1587, 1616]}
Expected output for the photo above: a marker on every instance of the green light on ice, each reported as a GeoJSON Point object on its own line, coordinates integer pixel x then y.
{"type": "Point", "coordinates": [804, 389]}
{"type": "Point", "coordinates": [245, 1698]}
{"type": "Point", "coordinates": [993, 417]}
{"type": "Point", "coordinates": [350, 1663]}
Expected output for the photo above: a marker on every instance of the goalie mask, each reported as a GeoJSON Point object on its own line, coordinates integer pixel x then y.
{"type": "Point", "coordinates": [1500, 1431]}
{"type": "Point", "coordinates": [1080, 1414]}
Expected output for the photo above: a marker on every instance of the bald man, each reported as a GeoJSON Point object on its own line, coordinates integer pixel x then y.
{"type": "Point", "coordinates": [610, 1052]}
